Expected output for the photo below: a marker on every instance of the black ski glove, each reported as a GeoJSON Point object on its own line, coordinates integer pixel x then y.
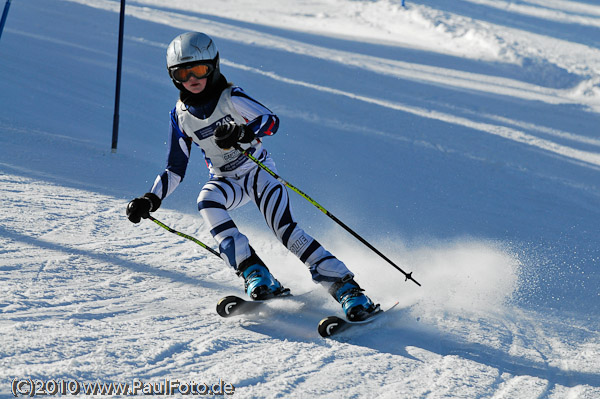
{"type": "Point", "coordinates": [229, 134]}
{"type": "Point", "coordinates": [141, 207]}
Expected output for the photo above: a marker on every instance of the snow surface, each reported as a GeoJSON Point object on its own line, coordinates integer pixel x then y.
{"type": "Point", "coordinates": [461, 138]}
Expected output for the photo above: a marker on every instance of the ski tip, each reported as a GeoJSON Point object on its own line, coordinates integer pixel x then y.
{"type": "Point", "coordinates": [227, 305]}
{"type": "Point", "coordinates": [333, 325]}
{"type": "Point", "coordinates": [330, 325]}
{"type": "Point", "coordinates": [233, 305]}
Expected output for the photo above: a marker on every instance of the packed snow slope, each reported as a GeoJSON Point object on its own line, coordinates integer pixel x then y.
{"type": "Point", "coordinates": [461, 138]}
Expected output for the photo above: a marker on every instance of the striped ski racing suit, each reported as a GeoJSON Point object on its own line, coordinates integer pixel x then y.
{"type": "Point", "coordinates": [236, 180]}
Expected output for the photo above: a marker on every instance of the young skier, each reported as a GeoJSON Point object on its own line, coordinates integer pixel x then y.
{"type": "Point", "coordinates": [218, 116]}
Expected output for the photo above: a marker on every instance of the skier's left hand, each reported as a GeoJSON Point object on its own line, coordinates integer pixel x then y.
{"type": "Point", "coordinates": [229, 134]}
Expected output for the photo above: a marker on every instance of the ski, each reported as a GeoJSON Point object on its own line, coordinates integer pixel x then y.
{"type": "Point", "coordinates": [332, 325]}
{"type": "Point", "coordinates": [233, 305]}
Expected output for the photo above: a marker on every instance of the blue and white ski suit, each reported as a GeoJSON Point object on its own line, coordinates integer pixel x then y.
{"type": "Point", "coordinates": [236, 180]}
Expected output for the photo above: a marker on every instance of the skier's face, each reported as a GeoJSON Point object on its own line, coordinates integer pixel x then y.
{"type": "Point", "coordinates": [195, 85]}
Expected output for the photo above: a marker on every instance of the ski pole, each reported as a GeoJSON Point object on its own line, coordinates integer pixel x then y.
{"type": "Point", "coordinates": [326, 212]}
{"type": "Point", "coordinates": [180, 234]}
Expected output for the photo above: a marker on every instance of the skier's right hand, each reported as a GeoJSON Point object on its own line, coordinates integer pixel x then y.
{"type": "Point", "coordinates": [228, 135]}
{"type": "Point", "coordinates": [141, 207]}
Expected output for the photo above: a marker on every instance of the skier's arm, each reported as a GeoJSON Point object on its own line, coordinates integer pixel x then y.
{"type": "Point", "coordinates": [258, 117]}
{"type": "Point", "coordinates": [179, 148]}
{"type": "Point", "coordinates": [177, 160]}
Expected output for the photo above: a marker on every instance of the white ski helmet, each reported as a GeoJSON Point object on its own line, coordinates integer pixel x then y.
{"type": "Point", "coordinates": [193, 48]}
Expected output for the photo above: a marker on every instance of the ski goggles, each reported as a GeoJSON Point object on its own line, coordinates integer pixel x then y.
{"type": "Point", "coordinates": [184, 73]}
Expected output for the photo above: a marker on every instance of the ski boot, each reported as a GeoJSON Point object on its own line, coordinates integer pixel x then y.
{"type": "Point", "coordinates": [356, 305]}
{"type": "Point", "coordinates": [259, 283]}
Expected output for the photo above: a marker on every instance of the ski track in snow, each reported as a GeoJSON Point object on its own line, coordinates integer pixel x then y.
{"type": "Point", "coordinates": [89, 296]}
{"type": "Point", "coordinates": [94, 301]}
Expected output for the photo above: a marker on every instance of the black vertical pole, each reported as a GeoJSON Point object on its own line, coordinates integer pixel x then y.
{"type": "Point", "coordinates": [115, 134]}
{"type": "Point", "coordinates": [4, 15]}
